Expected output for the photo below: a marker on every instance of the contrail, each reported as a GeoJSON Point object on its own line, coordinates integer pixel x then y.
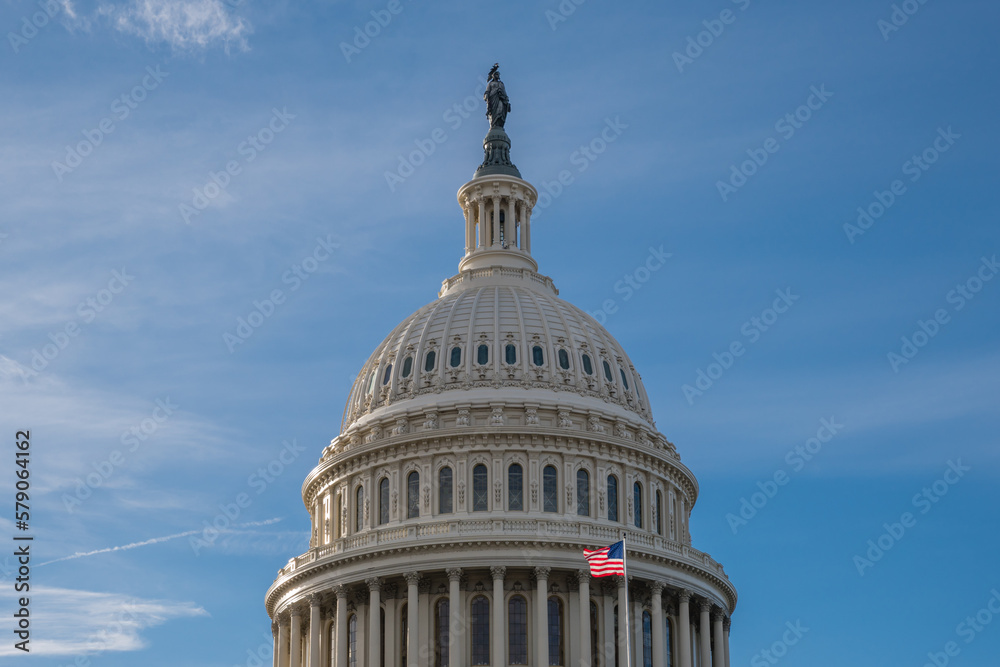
{"type": "Point", "coordinates": [157, 540]}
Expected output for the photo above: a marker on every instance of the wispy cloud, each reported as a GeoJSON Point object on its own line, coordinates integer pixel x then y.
{"type": "Point", "coordinates": [75, 622]}
{"type": "Point", "coordinates": [156, 540]}
{"type": "Point", "coordinates": [186, 25]}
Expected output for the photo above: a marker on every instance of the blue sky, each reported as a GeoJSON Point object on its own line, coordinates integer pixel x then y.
{"type": "Point", "coordinates": [162, 94]}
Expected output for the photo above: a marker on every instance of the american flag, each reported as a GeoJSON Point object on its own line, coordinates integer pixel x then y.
{"type": "Point", "coordinates": [607, 561]}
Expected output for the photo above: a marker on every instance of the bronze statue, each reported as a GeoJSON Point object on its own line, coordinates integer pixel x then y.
{"type": "Point", "coordinates": [497, 104]}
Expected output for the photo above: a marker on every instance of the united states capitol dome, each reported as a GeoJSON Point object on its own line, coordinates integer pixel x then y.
{"type": "Point", "coordinates": [492, 437]}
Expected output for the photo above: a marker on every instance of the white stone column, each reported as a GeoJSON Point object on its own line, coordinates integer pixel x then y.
{"type": "Point", "coordinates": [499, 616]}
{"type": "Point", "coordinates": [412, 618]}
{"type": "Point", "coordinates": [341, 592]}
{"type": "Point", "coordinates": [374, 621]}
{"type": "Point", "coordinates": [704, 627]}
{"type": "Point", "coordinates": [718, 648]}
{"type": "Point", "coordinates": [583, 578]}
{"type": "Point", "coordinates": [684, 627]}
{"type": "Point", "coordinates": [725, 630]}
{"type": "Point", "coordinates": [295, 637]}
{"type": "Point", "coordinates": [526, 229]}
{"type": "Point", "coordinates": [496, 221]}
{"type": "Point", "coordinates": [315, 629]}
{"type": "Point", "coordinates": [454, 617]}
{"type": "Point", "coordinates": [623, 613]}
{"type": "Point", "coordinates": [542, 616]}
{"type": "Point", "coordinates": [283, 641]}
{"type": "Point", "coordinates": [636, 630]}
{"type": "Point", "coordinates": [275, 651]}
{"type": "Point", "coordinates": [656, 595]}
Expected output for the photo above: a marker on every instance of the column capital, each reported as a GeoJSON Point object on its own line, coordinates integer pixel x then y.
{"type": "Point", "coordinates": [498, 572]}
{"type": "Point", "coordinates": [295, 611]}
{"type": "Point", "coordinates": [726, 622]}
{"type": "Point", "coordinates": [283, 620]}
{"type": "Point", "coordinates": [412, 578]}
{"type": "Point", "coordinates": [683, 595]}
{"type": "Point", "coordinates": [718, 614]}
{"type": "Point", "coordinates": [619, 580]}
{"type": "Point", "coordinates": [542, 572]}
{"type": "Point", "coordinates": [454, 573]}
{"type": "Point", "coordinates": [583, 575]}
{"type": "Point", "coordinates": [340, 590]}
{"type": "Point", "coordinates": [705, 606]}
{"type": "Point", "coordinates": [656, 587]}
{"type": "Point", "coordinates": [315, 600]}
{"type": "Point", "coordinates": [374, 584]}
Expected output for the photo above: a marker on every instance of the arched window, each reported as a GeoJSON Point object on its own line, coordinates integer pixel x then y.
{"type": "Point", "coordinates": [480, 630]}
{"type": "Point", "coordinates": [595, 634]}
{"type": "Point", "coordinates": [612, 498]}
{"type": "Point", "coordinates": [383, 501]}
{"type": "Point", "coordinates": [456, 356]}
{"type": "Point", "coordinates": [658, 512]}
{"type": "Point", "coordinates": [430, 360]}
{"type": "Point", "coordinates": [371, 382]}
{"type": "Point", "coordinates": [637, 491]}
{"type": "Point", "coordinates": [550, 489]}
{"type": "Point", "coordinates": [515, 487]}
{"type": "Point", "coordinates": [483, 355]}
{"type": "Point", "coordinates": [537, 357]}
{"type": "Point", "coordinates": [480, 489]}
{"type": "Point", "coordinates": [588, 366]}
{"type": "Point", "coordinates": [510, 354]}
{"type": "Point", "coordinates": [441, 620]}
{"type": "Point", "coordinates": [445, 490]}
{"type": "Point", "coordinates": [647, 640]}
{"type": "Point", "coordinates": [359, 509]}
{"type": "Point", "coordinates": [517, 630]}
{"type": "Point", "coordinates": [555, 632]}
{"type": "Point", "coordinates": [563, 359]}
{"type": "Point", "coordinates": [582, 492]}
{"type": "Point", "coordinates": [387, 375]}
{"type": "Point", "coordinates": [607, 372]}
{"type": "Point", "coordinates": [407, 367]}
{"type": "Point", "coordinates": [413, 495]}
{"type": "Point", "coordinates": [352, 641]}
{"type": "Point", "coordinates": [624, 379]}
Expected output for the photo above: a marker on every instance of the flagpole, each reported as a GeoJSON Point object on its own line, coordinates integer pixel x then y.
{"type": "Point", "coordinates": [627, 611]}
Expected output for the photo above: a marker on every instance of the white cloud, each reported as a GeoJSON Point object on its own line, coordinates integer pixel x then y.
{"type": "Point", "coordinates": [74, 622]}
{"type": "Point", "coordinates": [183, 24]}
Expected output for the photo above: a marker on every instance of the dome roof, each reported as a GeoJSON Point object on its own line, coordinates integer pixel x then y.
{"type": "Point", "coordinates": [498, 329]}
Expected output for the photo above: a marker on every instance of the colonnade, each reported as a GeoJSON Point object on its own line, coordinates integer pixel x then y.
{"type": "Point", "coordinates": [340, 629]}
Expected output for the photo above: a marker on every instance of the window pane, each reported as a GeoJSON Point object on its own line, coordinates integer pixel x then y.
{"type": "Point", "coordinates": [413, 495]}
{"type": "Point", "coordinates": [607, 372]}
{"type": "Point", "coordinates": [480, 631]}
{"type": "Point", "coordinates": [387, 375]}
{"type": "Point", "coordinates": [359, 517]}
{"type": "Point", "coordinates": [550, 490]}
{"type": "Point", "coordinates": [563, 359]}
{"type": "Point", "coordinates": [624, 379]}
{"type": "Point", "coordinates": [407, 366]}
{"type": "Point", "coordinates": [352, 641]}
{"type": "Point", "coordinates": [480, 489]}
{"type": "Point", "coordinates": [383, 501]}
{"type": "Point", "coordinates": [537, 357]}
{"type": "Point", "coordinates": [612, 498]}
{"type": "Point", "coordinates": [482, 355]}
{"type": "Point", "coordinates": [582, 493]}
{"type": "Point", "coordinates": [441, 634]}
{"type": "Point", "coordinates": [588, 367]}
{"type": "Point", "coordinates": [444, 491]}
{"type": "Point", "coordinates": [517, 620]}
{"type": "Point", "coordinates": [555, 633]}
{"type": "Point", "coordinates": [430, 361]}
{"type": "Point", "coordinates": [456, 356]}
{"type": "Point", "coordinates": [515, 487]}
{"type": "Point", "coordinates": [668, 648]}
{"type": "Point", "coordinates": [510, 354]}
{"type": "Point", "coordinates": [637, 488]}
{"type": "Point", "coordinates": [647, 640]}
